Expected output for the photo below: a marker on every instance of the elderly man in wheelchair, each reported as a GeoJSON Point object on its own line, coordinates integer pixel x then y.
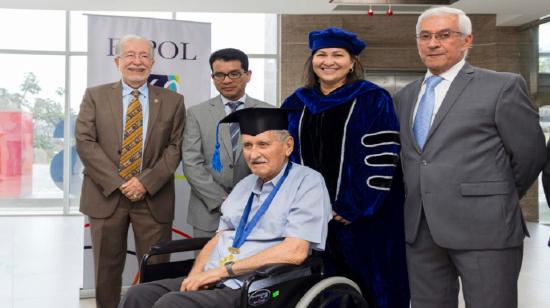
{"type": "Point", "coordinates": [270, 223]}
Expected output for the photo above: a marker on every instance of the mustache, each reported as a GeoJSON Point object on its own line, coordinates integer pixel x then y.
{"type": "Point", "coordinates": [258, 161]}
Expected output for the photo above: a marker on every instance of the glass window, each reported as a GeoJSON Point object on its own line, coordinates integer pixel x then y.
{"type": "Point", "coordinates": [79, 24]}
{"type": "Point", "coordinates": [261, 27]}
{"type": "Point", "coordinates": [79, 71]}
{"type": "Point", "coordinates": [544, 48]}
{"type": "Point", "coordinates": [263, 84]}
{"type": "Point", "coordinates": [31, 112]}
{"type": "Point", "coordinates": [33, 106]}
{"type": "Point", "coordinates": [32, 29]}
{"type": "Point", "coordinates": [78, 86]}
{"type": "Point", "coordinates": [544, 37]}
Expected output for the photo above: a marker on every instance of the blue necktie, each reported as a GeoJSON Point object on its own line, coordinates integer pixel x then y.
{"type": "Point", "coordinates": [234, 127]}
{"type": "Point", "coordinates": [423, 119]}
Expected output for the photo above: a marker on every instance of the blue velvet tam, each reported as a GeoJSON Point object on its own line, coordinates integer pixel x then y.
{"type": "Point", "coordinates": [335, 38]}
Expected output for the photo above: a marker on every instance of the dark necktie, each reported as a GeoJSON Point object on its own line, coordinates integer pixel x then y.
{"type": "Point", "coordinates": [423, 118]}
{"type": "Point", "coordinates": [132, 145]}
{"type": "Point", "coordinates": [234, 128]}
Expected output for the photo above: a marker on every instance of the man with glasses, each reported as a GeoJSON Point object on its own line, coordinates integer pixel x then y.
{"type": "Point", "coordinates": [471, 146]}
{"type": "Point", "coordinates": [128, 136]}
{"type": "Point", "coordinates": [209, 188]}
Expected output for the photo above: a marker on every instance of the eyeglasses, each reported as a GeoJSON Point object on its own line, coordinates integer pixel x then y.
{"type": "Point", "coordinates": [131, 56]}
{"type": "Point", "coordinates": [440, 36]}
{"type": "Point", "coordinates": [219, 76]}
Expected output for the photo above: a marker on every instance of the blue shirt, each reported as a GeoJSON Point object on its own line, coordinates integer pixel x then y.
{"type": "Point", "coordinates": [301, 209]}
{"type": "Point", "coordinates": [143, 99]}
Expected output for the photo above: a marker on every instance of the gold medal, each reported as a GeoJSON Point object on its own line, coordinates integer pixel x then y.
{"type": "Point", "coordinates": [227, 259]}
{"type": "Point", "coordinates": [234, 250]}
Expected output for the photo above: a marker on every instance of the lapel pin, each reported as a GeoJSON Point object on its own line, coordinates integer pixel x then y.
{"type": "Point", "coordinates": [156, 100]}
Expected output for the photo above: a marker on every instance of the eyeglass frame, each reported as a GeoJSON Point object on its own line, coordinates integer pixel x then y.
{"type": "Point", "coordinates": [237, 74]}
{"type": "Point", "coordinates": [439, 36]}
{"type": "Point", "coordinates": [140, 56]}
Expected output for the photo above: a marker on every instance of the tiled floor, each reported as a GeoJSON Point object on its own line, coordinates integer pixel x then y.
{"type": "Point", "coordinates": [40, 261]}
{"type": "Point", "coordinates": [41, 264]}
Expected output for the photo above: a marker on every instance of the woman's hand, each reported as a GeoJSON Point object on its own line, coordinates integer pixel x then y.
{"type": "Point", "coordinates": [340, 219]}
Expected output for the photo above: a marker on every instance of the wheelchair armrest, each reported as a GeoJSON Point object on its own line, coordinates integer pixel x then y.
{"type": "Point", "coordinates": [313, 262]}
{"type": "Point", "coordinates": [150, 272]}
{"type": "Point", "coordinates": [281, 268]}
{"type": "Point", "coordinates": [178, 246]}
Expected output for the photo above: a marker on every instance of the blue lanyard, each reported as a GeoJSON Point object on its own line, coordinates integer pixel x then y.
{"type": "Point", "coordinates": [244, 229]}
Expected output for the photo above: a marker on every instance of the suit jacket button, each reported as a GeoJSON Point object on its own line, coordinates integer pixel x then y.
{"type": "Point", "coordinates": [230, 166]}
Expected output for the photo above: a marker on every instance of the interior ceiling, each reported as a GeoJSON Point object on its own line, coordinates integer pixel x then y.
{"type": "Point", "coordinates": [509, 12]}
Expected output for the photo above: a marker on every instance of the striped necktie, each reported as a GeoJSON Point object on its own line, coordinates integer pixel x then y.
{"type": "Point", "coordinates": [132, 145]}
{"type": "Point", "coordinates": [423, 119]}
{"type": "Point", "coordinates": [234, 128]}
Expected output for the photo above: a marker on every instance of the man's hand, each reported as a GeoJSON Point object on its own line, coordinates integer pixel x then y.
{"type": "Point", "coordinates": [340, 219]}
{"type": "Point", "coordinates": [133, 189]}
{"type": "Point", "coordinates": [203, 280]}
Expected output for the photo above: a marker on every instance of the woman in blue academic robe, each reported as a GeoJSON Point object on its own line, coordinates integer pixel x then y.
{"type": "Point", "coordinates": [346, 128]}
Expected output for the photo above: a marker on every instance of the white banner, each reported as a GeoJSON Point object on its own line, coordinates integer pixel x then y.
{"type": "Point", "coordinates": [182, 49]}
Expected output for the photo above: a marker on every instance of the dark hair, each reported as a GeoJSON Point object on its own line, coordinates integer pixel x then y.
{"type": "Point", "coordinates": [230, 54]}
{"type": "Point", "coordinates": [311, 80]}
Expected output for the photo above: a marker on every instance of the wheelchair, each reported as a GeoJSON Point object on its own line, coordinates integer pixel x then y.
{"type": "Point", "coordinates": [299, 286]}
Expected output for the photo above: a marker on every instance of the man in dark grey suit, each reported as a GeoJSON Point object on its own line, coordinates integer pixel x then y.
{"type": "Point", "coordinates": [471, 147]}
{"type": "Point", "coordinates": [209, 188]}
{"type": "Point", "coordinates": [546, 178]}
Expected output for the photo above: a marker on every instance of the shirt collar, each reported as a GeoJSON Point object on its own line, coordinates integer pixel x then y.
{"type": "Point", "coordinates": [225, 100]}
{"type": "Point", "coordinates": [259, 184]}
{"type": "Point", "coordinates": [451, 73]}
{"type": "Point", "coordinates": [127, 90]}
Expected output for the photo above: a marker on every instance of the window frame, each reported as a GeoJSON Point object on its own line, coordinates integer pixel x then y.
{"type": "Point", "coordinates": [67, 53]}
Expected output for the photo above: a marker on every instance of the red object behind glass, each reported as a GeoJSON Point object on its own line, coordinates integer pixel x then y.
{"type": "Point", "coordinates": [16, 153]}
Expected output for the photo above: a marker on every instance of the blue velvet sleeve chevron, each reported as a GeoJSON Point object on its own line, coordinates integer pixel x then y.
{"type": "Point", "coordinates": [370, 157]}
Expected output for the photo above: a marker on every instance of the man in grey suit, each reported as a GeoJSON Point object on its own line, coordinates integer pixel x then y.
{"type": "Point", "coordinates": [546, 176]}
{"type": "Point", "coordinates": [471, 146]}
{"type": "Point", "coordinates": [209, 188]}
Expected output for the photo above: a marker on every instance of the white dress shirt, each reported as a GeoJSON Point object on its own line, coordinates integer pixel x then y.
{"type": "Point", "coordinates": [227, 108]}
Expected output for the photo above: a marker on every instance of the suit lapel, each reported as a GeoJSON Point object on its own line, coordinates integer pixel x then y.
{"type": "Point", "coordinates": [457, 86]}
{"type": "Point", "coordinates": [115, 101]}
{"type": "Point", "coordinates": [154, 109]}
{"type": "Point", "coordinates": [217, 112]}
{"type": "Point", "coordinates": [410, 112]}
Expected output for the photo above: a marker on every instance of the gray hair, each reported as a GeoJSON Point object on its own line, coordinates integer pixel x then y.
{"type": "Point", "coordinates": [283, 134]}
{"type": "Point", "coordinates": [133, 37]}
{"type": "Point", "coordinates": [464, 22]}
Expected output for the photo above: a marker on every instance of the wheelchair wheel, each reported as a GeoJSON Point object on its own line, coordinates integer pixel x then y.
{"type": "Point", "coordinates": [332, 292]}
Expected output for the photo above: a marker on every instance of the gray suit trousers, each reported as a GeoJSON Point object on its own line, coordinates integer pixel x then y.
{"type": "Point", "coordinates": [165, 294]}
{"type": "Point", "coordinates": [489, 277]}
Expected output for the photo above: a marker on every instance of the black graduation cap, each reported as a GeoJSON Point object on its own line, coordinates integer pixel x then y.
{"type": "Point", "coordinates": [252, 121]}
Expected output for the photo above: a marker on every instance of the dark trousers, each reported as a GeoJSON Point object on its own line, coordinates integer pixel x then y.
{"type": "Point", "coordinates": [109, 245]}
{"type": "Point", "coordinates": [165, 294]}
{"type": "Point", "coordinates": [489, 277]}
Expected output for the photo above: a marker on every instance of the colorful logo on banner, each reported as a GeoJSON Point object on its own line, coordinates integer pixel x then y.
{"type": "Point", "coordinates": [171, 82]}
